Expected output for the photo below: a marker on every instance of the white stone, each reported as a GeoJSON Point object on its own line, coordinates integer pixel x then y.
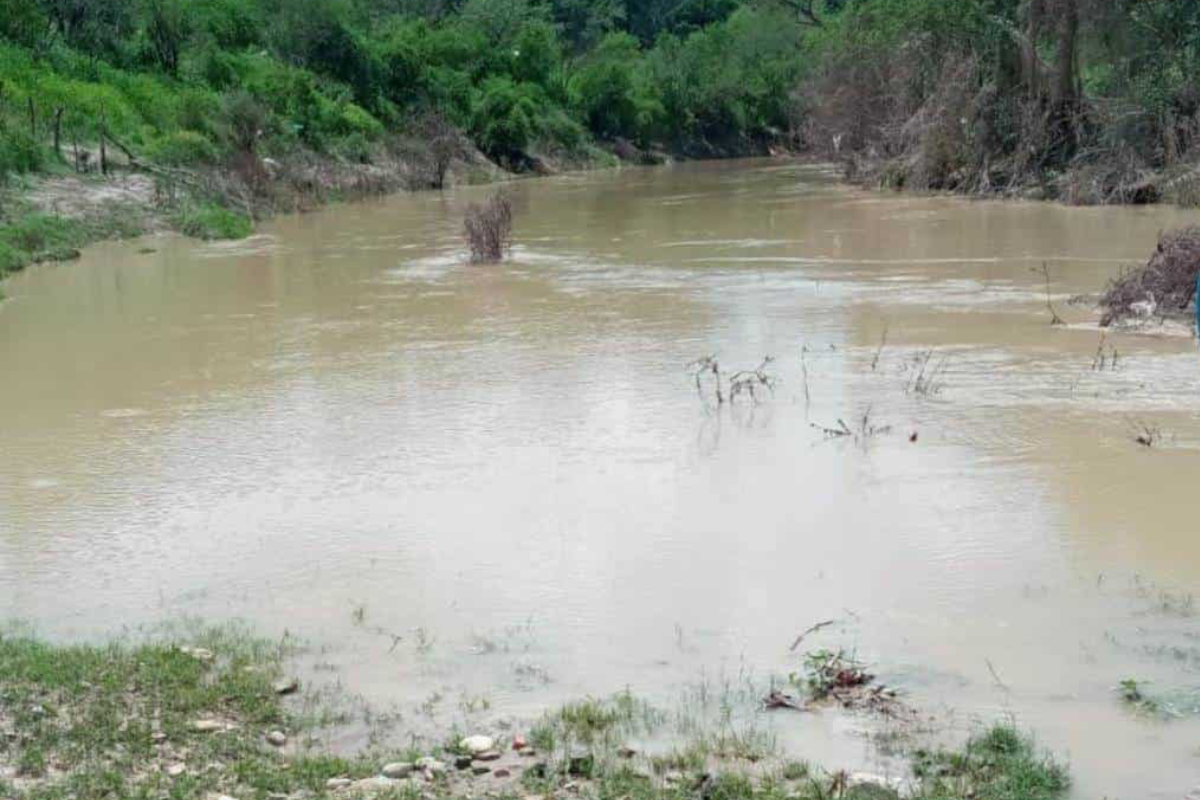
{"type": "Point", "coordinates": [397, 770]}
{"type": "Point", "coordinates": [208, 725]}
{"type": "Point", "coordinates": [277, 738]}
{"type": "Point", "coordinates": [477, 744]}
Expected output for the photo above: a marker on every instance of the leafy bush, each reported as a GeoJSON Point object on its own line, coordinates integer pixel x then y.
{"type": "Point", "coordinates": [504, 118]}
{"type": "Point", "coordinates": [19, 152]}
{"type": "Point", "coordinates": [182, 148]}
{"type": "Point", "coordinates": [214, 222]}
{"type": "Point", "coordinates": [11, 259]}
{"type": "Point", "coordinates": [611, 92]}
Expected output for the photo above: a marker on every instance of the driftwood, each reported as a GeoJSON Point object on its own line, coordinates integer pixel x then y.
{"type": "Point", "coordinates": [810, 629]}
{"type": "Point", "coordinates": [1165, 285]}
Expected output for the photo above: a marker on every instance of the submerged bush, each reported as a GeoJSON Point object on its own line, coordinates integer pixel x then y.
{"type": "Point", "coordinates": [488, 227]}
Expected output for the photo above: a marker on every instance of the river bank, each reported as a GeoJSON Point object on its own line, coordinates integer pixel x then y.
{"type": "Point", "coordinates": [213, 713]}
{"type": "Point", "coordinates": [510, 469]}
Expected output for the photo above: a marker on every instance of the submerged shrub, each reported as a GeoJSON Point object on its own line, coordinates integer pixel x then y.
{"type": "Point", "coordinates": [488, 228]}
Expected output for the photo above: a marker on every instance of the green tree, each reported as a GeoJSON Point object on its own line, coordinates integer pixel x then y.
{"type": "Point", "coordinates": [611, 92]}
{"type": "Point", "coordinates": [504, 118]}
{"type": "Point", "coordinates": [168, 27]}
{"type": "Point", "coordinates": [23, 23]}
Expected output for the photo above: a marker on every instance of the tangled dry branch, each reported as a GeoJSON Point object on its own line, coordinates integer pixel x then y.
{"type": "Point", "coordinates": [1165, 285]}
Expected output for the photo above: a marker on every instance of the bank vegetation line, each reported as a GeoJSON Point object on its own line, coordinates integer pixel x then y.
{"type": "Point", "coordinates": [214, 713]}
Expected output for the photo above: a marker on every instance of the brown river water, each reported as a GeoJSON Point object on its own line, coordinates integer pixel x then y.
{"type": "Point", "coordinates": [340, 429]}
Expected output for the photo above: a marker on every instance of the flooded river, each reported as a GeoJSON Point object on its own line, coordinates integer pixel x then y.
{"type": "Point", "coordinates": [341, 430]}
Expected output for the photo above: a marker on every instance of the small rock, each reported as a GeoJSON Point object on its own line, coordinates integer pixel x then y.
{"type": "Point", "coordinates": [501, 772]}
{"type": "Point", "coordinates": [158, 736]}
{"type": "Point", "coordinates": [277, 738]}
{"type": "Point", "coordinates": [37, 711]}
{"type": "Point", "coordinates": [397, 770]}
{"type": "Point", "coordinates": [333, 784]}
{"type": "Point", "coordinates": [430, 767]}
{"type": "Point", "coordinates": [208, 725]}
{"type": "Point", "coordinates": [220, 797]}
{"type": "Point", "coordinates": [519, 742]}
{"type": "Point", "coordinates": [533, 797]}
{"type": "Point", "coordinates": [463, 762]}
{"type": "Point", "coordinates": [372, 785]}
{"type": "Point", "coordinates": [286, 686]}
{"type": "Point", "coordinates": [175, 770]}
{"type": "Point", "coordinates": [477, 744]}
{"type": "Point", "coordinates": [488, 755]}
{"type": "Point", "coordinates": [673, 777]}
{"type": "Point", "coordinates": [627, 752]}
{"type": "Point", "coordinates": [198, 653]}
{"type": "Point", "coordinates": [480, 769]}
{"type": "Point", "coordinates": [528, 752]}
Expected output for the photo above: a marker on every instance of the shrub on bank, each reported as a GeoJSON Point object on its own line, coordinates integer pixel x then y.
{"type": "Point", "coordinates": [214, 222]}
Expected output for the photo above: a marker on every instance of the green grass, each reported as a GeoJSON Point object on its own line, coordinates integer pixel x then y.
{"type": "Point", "coordinates": [214, 222]}
{"type": "Point", "coordinates": [999, 764]}
{"type": "Point", "coordinates": [96, 721]}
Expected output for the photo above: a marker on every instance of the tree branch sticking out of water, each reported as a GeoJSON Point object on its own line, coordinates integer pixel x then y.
{"type": "Point", "coordinates": [1145, 434]}
{"type": "Point", "coordinates": [926, 380]}
{"type": "Point", "coordinates": [879, 350]}
{"type": "Point", "coordinates": [750, 381]}
{"type": "Point", "coordinates": [1044, 271]}
{"type": "Point", "coordinates": [1104, 358]}
{"type": "Point", "coordinates": [866, 429]}
{"type": "Point", "coordinates": [707, 365]}
{"type": "Point", "coordinates": [742, 383]}
{"type": "Point", "coordinates": [488, 228]}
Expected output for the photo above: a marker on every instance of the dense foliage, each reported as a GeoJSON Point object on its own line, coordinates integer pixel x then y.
{"type": "Point", "coordinates": [973, 95]}
{"type": "Point", "coordinates": [194, 81]}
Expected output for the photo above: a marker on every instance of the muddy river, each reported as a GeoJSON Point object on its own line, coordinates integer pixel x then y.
{"type": "Point", "coordinates": [340, 430]}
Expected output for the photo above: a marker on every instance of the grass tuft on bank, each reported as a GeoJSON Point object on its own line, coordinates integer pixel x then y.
{"type": "Point", "coordinates": [207, 221]}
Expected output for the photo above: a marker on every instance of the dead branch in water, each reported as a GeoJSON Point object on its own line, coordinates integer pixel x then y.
{"type": "Point", "coordinates": [996, 677]}
{"type": "Point", "coordinates": [1166, 284]}
{"type": "Point", "coordinates": [778, 699]}
{"type": "Point", "coordinates": [804, 372]}
{"type": "Point", "coordinates": [810, 629]}
{"type": "Point", "coordinates": [925, 380]}
{"type": "Point", "coordinates": [879, 350]}
{"type": "Point", "coordinates": [488, 228]}
{"type": "Point", "coordinates": [866, 429]}
{"type": "Point", "coordinates": [1104, 359]}
{"type": "Point", "coordinates": [840, 431]}
{"type": "Point", "coordinates": [707, 365]}
{"type": "Point", "coordinates": [749, 381]}
{"type": "Point", "coordinates": [744, 382]}
{"type": "Point", "coordinates": [1044, 271]}
{"type": "Point", "coordinates": [1145, 434]}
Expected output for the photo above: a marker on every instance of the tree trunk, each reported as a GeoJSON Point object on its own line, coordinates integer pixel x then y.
{"type": "Point", "coordinates": [1065, 94]}
{"type": "Point", "coordinates": [58, 113]}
